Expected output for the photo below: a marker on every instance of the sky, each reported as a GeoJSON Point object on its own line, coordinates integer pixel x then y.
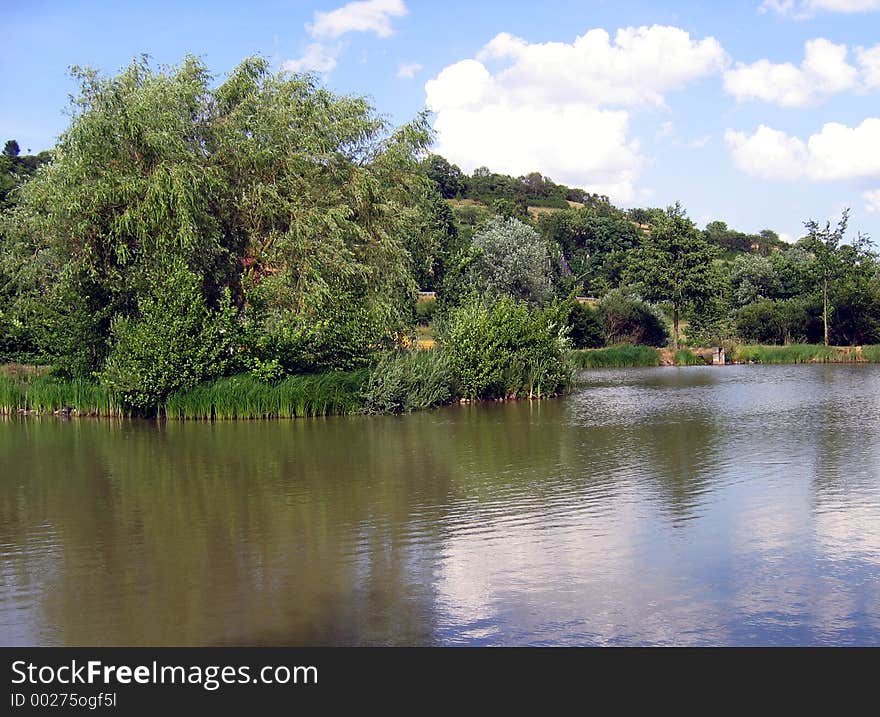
{"type": "Point", "coordinates": [760, 113]}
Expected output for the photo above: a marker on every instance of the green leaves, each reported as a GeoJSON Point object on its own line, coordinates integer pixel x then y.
{"type": "Point", "coordinates": [510, 349]}
{"type": "Point", "coordinates": [512, 261]}
{"type": "Point", "coordinates": [175, 342]}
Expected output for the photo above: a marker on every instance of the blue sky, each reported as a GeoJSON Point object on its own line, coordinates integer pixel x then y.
{"type": "Point", "coordinates": [761, 114]}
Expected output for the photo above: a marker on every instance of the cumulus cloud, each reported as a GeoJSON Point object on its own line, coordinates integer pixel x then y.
{"type": "Point", "coordinates": [408, 70]}
{"type": "Point", "coordinates": [823, 72]}
{"type": "Point", "coordinates": [636, 68]}
{"type": "Point", "coordinates": [363, 16]}
{"type": "Point", "coordinates": [869, 61]}
{"type": "Point", "coordinates": [316, 58]}
{"type": "Point", "coordinates": [872, 201]}
{"type": "Point", "coordinates": [558, 107]}
{"type": "Point", "coordinates": [835, 152]}
{"type": "Point", "coordinates": [807, 8]}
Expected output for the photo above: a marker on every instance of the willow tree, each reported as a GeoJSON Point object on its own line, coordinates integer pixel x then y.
{"type": "Point", "coordinates": [266, 185]}
{"type": "Point", "coordinates": [674, 265]}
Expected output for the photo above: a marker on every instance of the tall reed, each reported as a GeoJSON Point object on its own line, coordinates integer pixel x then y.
{"type": "Point", "coordinates": [245, 397]}
{"type": "Point", "coordinates": [619, 356]}
{"type": "Point", "coordinates": [49, 394]}
{"type": "Point", "coordinates": [795, 353]}
{"type": "Point", "coordinates": [684, 357]}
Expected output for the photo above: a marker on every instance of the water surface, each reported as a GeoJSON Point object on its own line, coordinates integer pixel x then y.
{"type": "Point", "coordinates": [736, 505]}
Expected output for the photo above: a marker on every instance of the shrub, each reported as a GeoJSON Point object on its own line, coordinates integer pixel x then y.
{"type": "Point", "coordinates": [628, 319]}
{"type": "Point", "coordinates": [174, 343]}
{"type": "Point", "coordinates": [408, 381]}
{"type": "Point", "coordinates": [779, 322]}
{"type": "Point", "coordinates": [346, 335]}
{"type": "Point", "coordinates": [507, 350]}
{"type": "Point", "coordinates": [585, 327]}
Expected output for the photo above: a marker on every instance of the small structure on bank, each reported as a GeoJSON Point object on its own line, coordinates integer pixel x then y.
{"type": "Point", "coordinates": [718, 356]}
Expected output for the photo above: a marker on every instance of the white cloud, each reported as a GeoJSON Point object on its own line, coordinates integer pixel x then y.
{"type": "Point", "coordinates": [700, 142]}
{"type": "Point", "coordinates": [807, 8]}
{"type": "Point", "coordinates": [780, 6]}
{"type": "Point", "coordinates": [665, 130]}
{"type": "Point", "coordinates": [636, 68]}
{"type": "Point", "coordinates": [363, 16]}
{"type": "Point", "coordinates": [869, 60]}
{"type": "Point", "coordinates": [316, 58]}
{"type": "Point", "coordinates": [544, 105]}
{"type": "Point", "coordinates": [835, 152]}
{"type": "Point", "coordinates": [409, 70]}
{"type": "Point", "coordinates": [872, 201]}
{"type": "Point", "coordinates": [823, 72]}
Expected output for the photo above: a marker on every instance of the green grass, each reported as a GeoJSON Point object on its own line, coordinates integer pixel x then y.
{"type": "Point", "coordinates": [795, 353]}
{"type": "Point", "coordinates": [48, 394]}
{"type": "Point", "coordinates": [244, 397]}
{"type": "Point", "coordinates": [871, 354]}
{"type": "Point", "coordinates": [683, 357]}
{"type": "Point", "coordinates": [620, 356]}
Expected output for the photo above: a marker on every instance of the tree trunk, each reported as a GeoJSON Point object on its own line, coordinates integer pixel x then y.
{"type": "Point", "coordinates": [675, 328]}
{"type": "Point", "coordinates": [825, 307]}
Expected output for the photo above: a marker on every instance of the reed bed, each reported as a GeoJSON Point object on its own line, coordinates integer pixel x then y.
{"type": "Point", "coordinates": [871, 354]}
{"type": "Point", "coordinates": [798, 353]}
{"type": "Point", "coordinates": [31, 392]}
{"type": "Point", "coordinates": [619, 356]}
{"type": "Point", "coordinates": [684, 357]}
{"type": "Point", "coordinates": [245, 397]}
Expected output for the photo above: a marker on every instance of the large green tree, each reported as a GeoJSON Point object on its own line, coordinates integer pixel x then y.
{"type": "Point", "coordinates": [674, 265]}
{"type": "Point", "coordinates": [297, 200]}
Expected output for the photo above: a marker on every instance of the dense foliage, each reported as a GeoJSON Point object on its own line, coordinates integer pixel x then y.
{"type": "Point", "coordinates": [507, 349]}
{"type": "Point", "coordinates": [188, 237]}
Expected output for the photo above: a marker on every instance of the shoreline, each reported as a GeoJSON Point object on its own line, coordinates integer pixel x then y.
{"type": "Point", "coordinates": [78, 399]}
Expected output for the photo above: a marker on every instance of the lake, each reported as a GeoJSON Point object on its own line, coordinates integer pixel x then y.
{"type": "Point", "coordinates": [680, 506]}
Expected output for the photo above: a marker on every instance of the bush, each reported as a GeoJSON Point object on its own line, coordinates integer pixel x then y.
{"type": "Point", "coordinates": [175, 343]}
{"type": "Point", "coordinates": [507, 350]}
{"type": "Point", "coordinates": [780, 322]}
{"type": "Point", "coordinates": [630, 320]}
{"type": "Point", "coordinates": [409, 381]}
{"type": "Point", "coordinates": [585, 327]}
{"type": "Point", "coordinates": [344, 335]}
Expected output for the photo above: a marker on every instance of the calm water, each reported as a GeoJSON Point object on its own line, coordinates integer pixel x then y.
{"type": "Point", "coordinates": [665, 506]}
